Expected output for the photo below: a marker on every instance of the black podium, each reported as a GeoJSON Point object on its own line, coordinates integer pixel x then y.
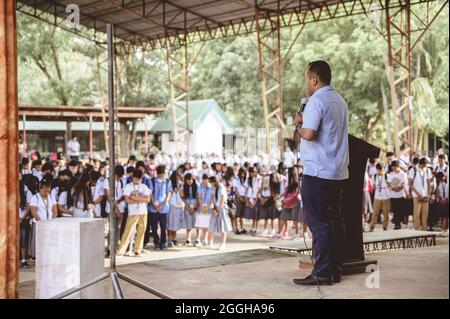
{"type": "Point", "coordinates": [352, 204]}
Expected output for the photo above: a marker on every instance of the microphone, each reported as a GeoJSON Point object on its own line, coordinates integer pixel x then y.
{"type": "Point", "coordinates": [303, 103]}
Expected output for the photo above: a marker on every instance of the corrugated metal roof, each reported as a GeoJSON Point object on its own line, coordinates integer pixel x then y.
{"type": "Point", "coordinates": [140, 21]}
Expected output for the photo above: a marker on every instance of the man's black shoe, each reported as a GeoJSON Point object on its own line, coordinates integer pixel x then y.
{"type": "Point", "coordinates": [336, 279]}
{"type": "Point", "coordinates": [312, 281]}
{"type": "Point", "coordinates": [397, 227]}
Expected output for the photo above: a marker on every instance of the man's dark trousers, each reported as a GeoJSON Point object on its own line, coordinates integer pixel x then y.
{"type": "Point", "coordinates": [161, 219]}
{"type": "Point", "coordinates": [322, 203]}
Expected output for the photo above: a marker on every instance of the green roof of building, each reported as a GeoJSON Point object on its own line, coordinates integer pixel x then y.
{"type": "Point", "coordinates": [198, 110]}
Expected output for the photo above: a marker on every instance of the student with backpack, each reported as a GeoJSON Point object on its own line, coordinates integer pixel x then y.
{"type": "Point", "coordinates": [161, 190]}
{"type": "Point", "coordinates": [137, 195]}
{"type": "Point", "coordinates": [420, 187]}
{"type": "Point", "coordinates": [25, 196]}
{"type": "Point", "coordinates": [381, 201]}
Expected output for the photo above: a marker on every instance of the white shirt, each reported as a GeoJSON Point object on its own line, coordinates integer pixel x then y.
{"type": "Point", "coordinates": [239, 187]}
{"type": "Point", "coordinates": [73, 148]}
{"type": "Point", "coordinates": [289, 159]}
{"type": "Point", "coordinates": [44, 206]}
{"type": "Point", "coordinates": [28, 195]}
{"type": "Point", "coordinates": [137, 190]}
{"type": "Point", "coordinates": [118, 194]}
{"type": "Point", "coordinates": [397, 179]}
{"type": "Point", "coordinates": [54, 194]}
{"type": "Point", "coordinates": [38, 174]}
{"type": "Point", "coordinates": [252, 192]}
{"type": "Point", "coordinates": [99, 191]}
{"type": "Point", "coordinates": [442, 190]}
{"type": "Point", "coordinates": [443, 169]}
{"type": "Point", "coordinates": [381, 187]}
{"type": "Point", "coordinates": [420, 181]}
{"type": "Point", "coordinates": [62, 199]}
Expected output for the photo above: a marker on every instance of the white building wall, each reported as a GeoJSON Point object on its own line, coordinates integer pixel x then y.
{"type": "Point", "coordinates": [208, 135]}
{"type": "Point", "coordinates": [206, 138]}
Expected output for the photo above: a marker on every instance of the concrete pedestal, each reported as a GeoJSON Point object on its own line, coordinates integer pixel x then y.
{"type": "Point", "coordinates": [69, 252]}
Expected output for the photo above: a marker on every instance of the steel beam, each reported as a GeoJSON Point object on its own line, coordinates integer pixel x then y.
{"type": "Point", "coordinates": [9, 134]}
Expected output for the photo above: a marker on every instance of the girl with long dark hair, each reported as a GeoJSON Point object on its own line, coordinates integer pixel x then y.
{"type": "Point", "coordinates": [191, 205]}
{"type": "Point", "coordinates": [290, 203]}
{"type": "Point", "coordinates": [176, 210]}
{"type": "Point", "coordinates": [239, 188]}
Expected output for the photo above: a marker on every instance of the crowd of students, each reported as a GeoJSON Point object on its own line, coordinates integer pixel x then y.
{"type": "Point", "coordinates": [160, 196]}
{"type": "Point", "coordinates": [154, 199]}
{"type": "Point", "coordinates": [417, 188]}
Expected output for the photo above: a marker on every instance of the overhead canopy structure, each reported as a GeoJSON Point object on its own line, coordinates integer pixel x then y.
{"type": "Point", "coordinates": [172, 24]}
{"type": "Point", "coordinates": [76, 113]}
{"type": "Point", "coordinates": [153, 22]}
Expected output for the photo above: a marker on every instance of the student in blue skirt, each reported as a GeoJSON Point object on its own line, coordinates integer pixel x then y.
{"type": "Point", "coordinates": [205, 203]}
{"type": "Point", "coordinates": [220, 221]}
{"type": "Point", "coordinates": [190, 206]}
{"type": "Point", "coordinates": [176, 211]}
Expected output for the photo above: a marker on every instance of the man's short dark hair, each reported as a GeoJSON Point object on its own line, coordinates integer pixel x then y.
{"type": "Point", "coordinates": [423, 161]}
{"type": "Point", "coordinates": [137, 173]}
{"type": "Point", "coordinates": [389, 154]}
{"type": "Point", "coordinates": [73, 163]}
{"type": "Point", "coordinates": [415, 160]}
{"type": "Point", "coordinates": [119, 171]}
{"type": "Point", "coordinates": [65, 172]}
{"type": "Point", "coordinates": [161, 169]}
{"type": "Point", "coordinates": [379, 167]}
{"type": "Point", "coordinates": [25, 161]}
{"type": "Point", "coordinates": [47, 167]}
{"type": "Point", "coordinates": [130, 169]}
{"type": "Point", "coordinates": [140, 164]}
{"type": "Point", "coordinates": [394, 164]}
{"type": "Point", "coordinates": [322, 70]}
{"type": "Point", "coordinates": [441, 156]}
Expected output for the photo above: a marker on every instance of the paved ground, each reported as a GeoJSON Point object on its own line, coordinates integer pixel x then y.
{"type": "Point", "coordinates": [248, 269]}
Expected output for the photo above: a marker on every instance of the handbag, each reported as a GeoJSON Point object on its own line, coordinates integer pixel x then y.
{"type": "Point", "coordinates": [202, 220]}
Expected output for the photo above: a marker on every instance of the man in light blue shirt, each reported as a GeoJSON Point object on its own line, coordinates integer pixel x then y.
{"type": "Point", "coordinates": [325, 156]}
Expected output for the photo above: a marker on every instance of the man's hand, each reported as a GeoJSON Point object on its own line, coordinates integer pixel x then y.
{"type": "Point", "coordinates": [298, 118]}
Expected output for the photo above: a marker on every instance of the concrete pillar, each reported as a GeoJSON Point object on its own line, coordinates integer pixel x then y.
{"type": "Point", "coordinates": [9, 133]}
{"type": "Point", "coordinates": [69, 252]}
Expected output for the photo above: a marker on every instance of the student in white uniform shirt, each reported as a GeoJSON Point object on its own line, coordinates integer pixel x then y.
{"type": "Point", "coordinates": [202, 171]}
{"type": "Point", "coordinates": [288, 158]}
{"type": "Point", "coordinates": [25, 196]}
{"type": "Point", "coordinates": [420, 187]}
{"type": "Point", "coordinates": [119, 203]}
{"type": "Point", "coordinates": [42, 208]}
{"type": "Point", "coordinates": [36, 167]}
{"type": "Point", "coordinates": [240, 193]}
{"type": "Point", "coordinates": [397, 181]}
{"type": "Point", "coordinates": [137, 196]}
{"type": "Point", "coordinates": [442, 200]}
{"type": "Point", "coordinates": [252, 195]}
{"type": "Point", "coordinates": [441, 166]}
{"type": "Point", "coordinates": [381, 201]}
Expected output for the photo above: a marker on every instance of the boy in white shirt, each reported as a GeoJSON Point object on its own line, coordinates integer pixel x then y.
{"type": "Point", "coordinates": [397, 181]}
{"type": "Point", "coordinates": [419, 179]}
{"type": "Point", "coordinates": [381, 201]}
{"type": "Point", "coordinates": [137, 196]}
